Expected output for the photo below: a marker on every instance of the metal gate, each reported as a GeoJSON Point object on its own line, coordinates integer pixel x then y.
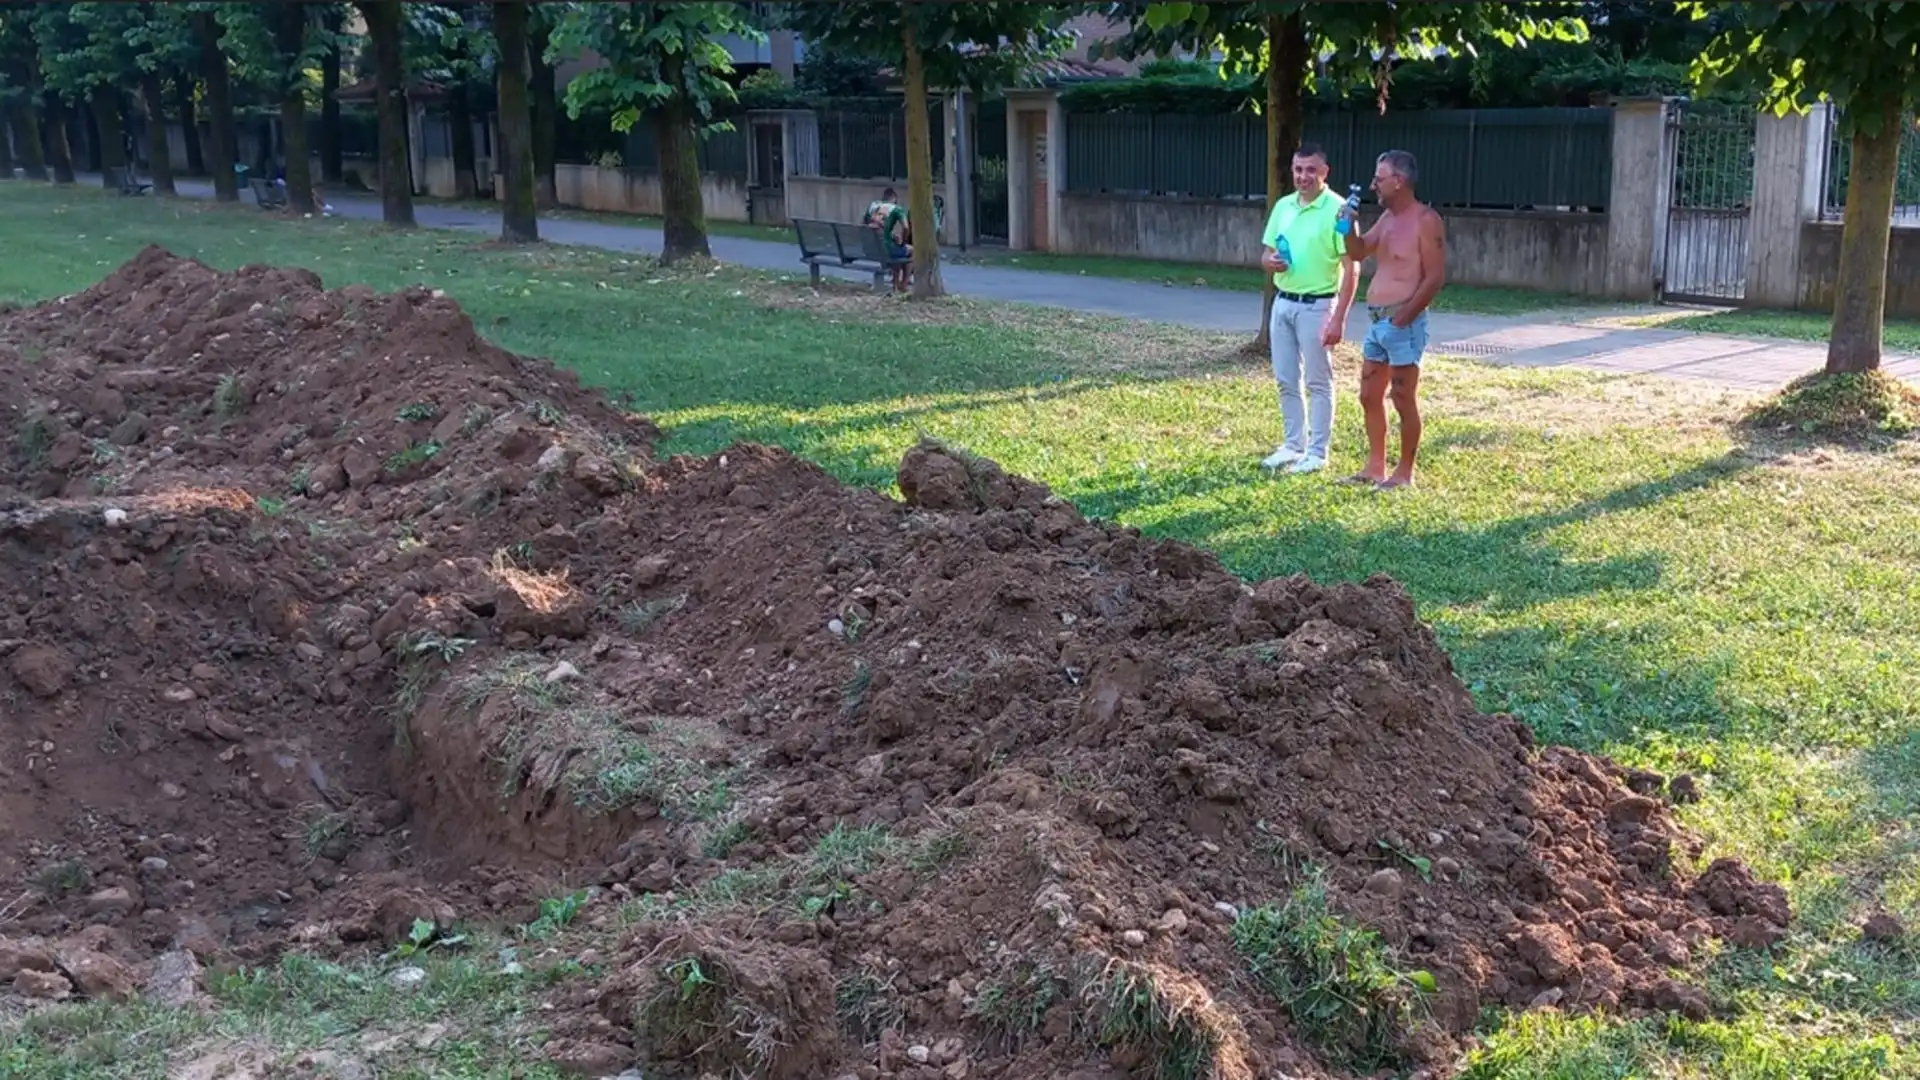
{"type": "Point", "coordinates": [990, 170]}
{"type": "Point", "coordinates": [1709, 219]}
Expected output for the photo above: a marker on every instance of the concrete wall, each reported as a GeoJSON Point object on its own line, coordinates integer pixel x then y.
{"type": "Point", "coordinates": [1820, 268]}
{"type": "Point", "coordinates": [823, 198]}
{"type": "Point", "coordinates": [1564, 253]}
{"type": "Point", "coordinates": [590, 187]}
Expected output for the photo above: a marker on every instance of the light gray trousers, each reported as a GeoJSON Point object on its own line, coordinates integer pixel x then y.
{"type": "Point", "coordinates": [1300, 363]}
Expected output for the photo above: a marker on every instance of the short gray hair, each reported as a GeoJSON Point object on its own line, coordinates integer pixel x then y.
{"type": "Point", "coordinates": [1403, 165]}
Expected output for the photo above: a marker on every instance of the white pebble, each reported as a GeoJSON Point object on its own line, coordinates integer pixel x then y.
{"type": "Point", "coordinates": [115, 516]}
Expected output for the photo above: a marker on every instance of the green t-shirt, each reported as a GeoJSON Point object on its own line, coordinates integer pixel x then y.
{"type": "Point", "coordinates": [886, 215]}
{"type": "Point", "coordinates": [1315, 249]}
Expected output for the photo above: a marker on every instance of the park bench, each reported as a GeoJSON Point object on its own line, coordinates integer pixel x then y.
{"type": "Point", "coordinates": [129, 183]}
{"type": "Point", "coordinates": [267, 193]}
{"type": "Point", "coordinates": [846, 245]}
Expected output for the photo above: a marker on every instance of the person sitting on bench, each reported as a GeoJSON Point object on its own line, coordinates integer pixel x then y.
{"type": "Point", "coordinates": [891, 218]}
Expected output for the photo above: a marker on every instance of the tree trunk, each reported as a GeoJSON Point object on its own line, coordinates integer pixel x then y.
{"type": "Point", "coordinates": [25, 121]}
{"type": "Point", "coordinates": [107, 112]}
{"type": "Point", "coordinates": [684, 214]}
{"type": "Point", "coordinates": [221, 132]}
{"type": "Point", "coordinates": [1860, 288]}
{"type": "Point", "coordinates": [389, 78]}
{"type": "Point", "coordinates": [159, 154]}
{"type": "Point", "coordinates": [926, 234]}
{"type": "Point", "coordinates": [332, 168]}
{"type": "Point", "coordinates": [289, 40]}
{"type": "Point", "coordinates": [513, 156]}
{"type": "Point", "coordinates": [466, 168]}
{"type": "Point", "coordinates": [1286, 71]}
{"type": "Point", "coordinates": [89, 132]}
{"type": "Point", "coordinates": [189, 124]}
{"type": "Point", "coordinates": [6, 156]}
{"type": "Point", "coordinates": [59, 148]}
{"type": "Point", "coordinates": [546, 114]}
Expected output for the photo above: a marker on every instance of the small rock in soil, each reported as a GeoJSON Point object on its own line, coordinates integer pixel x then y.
{"type": "Point", "coordinates": [42, 985]}
{"type": "Point", "coordinates": [98, 975]}
{"type": "Point", "coordinates": [117, 900]}
{"type": "Point", "coordinates": [175, 980]}
{"type": "Point", "coordinates": [1685, 788]}
{"type": "Point", "coordinates": [1385, 883]}
{"type": "Point", "coordinates": [1645, 782]}
{"type": "Point", "coordinates": [408, 978]}
{"type": "Point", "coordinates": [1883, 927]}
{"type": "Point", "coordinates": [43, 669]}
{"type": "Point", "coordinates": [560, 672]}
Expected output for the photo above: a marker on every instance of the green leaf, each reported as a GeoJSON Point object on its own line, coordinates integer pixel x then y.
{"type": "Point", "coordinates": [1425, 981]}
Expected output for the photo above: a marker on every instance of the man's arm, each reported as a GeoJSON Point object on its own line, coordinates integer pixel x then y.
{"type": "Point", "coordinates": [1361, 245]}
{"type": "Point", "coordinates": [1433, 268]}
{"type": "Point", "coordinates": [1349, 284]}
{"type": "Point", "coordinates": [1335, 327]}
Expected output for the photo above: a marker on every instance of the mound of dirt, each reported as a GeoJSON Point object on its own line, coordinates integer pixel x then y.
{"type": "Point", "coordinates": [363, 621]}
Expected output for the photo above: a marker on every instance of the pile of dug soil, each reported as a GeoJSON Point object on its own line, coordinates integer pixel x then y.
{"type": "Point", "coordinates": [330, 616]}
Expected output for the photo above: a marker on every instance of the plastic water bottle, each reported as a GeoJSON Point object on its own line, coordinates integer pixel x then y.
{"type": "Point", "coordinates": [1344, 223]}
{"type": "Point", "coordinates": [1286, 251]}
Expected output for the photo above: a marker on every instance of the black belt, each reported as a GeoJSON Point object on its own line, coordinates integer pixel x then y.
{"type": "Point", "coordinates": [1304, 298]}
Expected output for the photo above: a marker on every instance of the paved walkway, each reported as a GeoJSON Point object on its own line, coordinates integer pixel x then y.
{"type": "Point", "coordinates": [1590, 339]}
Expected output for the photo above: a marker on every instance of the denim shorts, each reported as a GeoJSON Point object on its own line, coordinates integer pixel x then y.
{"type": "Point", "coordinates": [1392, 345]}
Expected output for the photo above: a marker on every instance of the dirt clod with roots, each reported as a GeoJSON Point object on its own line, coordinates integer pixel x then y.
{"type": "Point", "coordinates": [328, 617]}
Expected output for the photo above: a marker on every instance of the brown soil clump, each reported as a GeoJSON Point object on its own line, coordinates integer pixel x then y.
{"type": "Point", "coordinates": [330, 617]}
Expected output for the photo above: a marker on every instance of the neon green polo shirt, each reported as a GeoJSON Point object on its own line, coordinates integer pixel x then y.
{"type": "Point", "coordinates": [1315, 247]}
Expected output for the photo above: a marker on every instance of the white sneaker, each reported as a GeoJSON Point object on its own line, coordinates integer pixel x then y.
{"type": "Point", "coordinates": [1308, 465]}
{"type": "Point", "coordinates": [1281, 456]}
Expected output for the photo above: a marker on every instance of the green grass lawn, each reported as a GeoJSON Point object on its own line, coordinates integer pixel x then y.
{"type": "Point", "coordinates": [1900, 335]}
{"type": "Point", "coordinates": [1463, 299]}
{"type": "Point", "coordinates": [1603, 557]}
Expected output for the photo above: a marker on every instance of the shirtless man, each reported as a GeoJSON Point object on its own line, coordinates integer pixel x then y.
{"type": "Point", "coordinates": [1409, 246]}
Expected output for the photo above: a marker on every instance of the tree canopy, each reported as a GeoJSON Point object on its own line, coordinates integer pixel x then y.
{"type": "Point", "coordinates": [655, 54]}
{"type": "Point", "coordinates": [1865, 59]}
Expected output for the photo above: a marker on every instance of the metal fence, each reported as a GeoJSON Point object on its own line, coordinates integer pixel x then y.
{"type": "Point", "coordinates": [1906, 184]}
{"type": "Point", "coordinates": [1490, 158]}
{"type": "Point", "coordinates": [1710, 212]}
{"type": "Point", "coordinates": [872, 145]}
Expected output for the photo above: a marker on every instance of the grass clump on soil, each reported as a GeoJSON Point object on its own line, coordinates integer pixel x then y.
{"type": "Point", "coordinates": [641, 616]}
{"type": "Point", "coordinates": [553, 736]}
{"type": "Point", "coordinates": [695, 1014]}
{"type": "Point", "coordinates": [868, 1005]}
{"type": "Point", "coordinates": [230, 398]}
{"type": "Point", "coordinates": [1013, 1003]}
{"type": "Point", "coordinates": [1335, 980]}
{"type": "Point", "coordinates": [1164, 1017]}
{"type": "Point", "coordinates": [34, 438]}
{"type": "Point", "coordinates": [1848, 405]}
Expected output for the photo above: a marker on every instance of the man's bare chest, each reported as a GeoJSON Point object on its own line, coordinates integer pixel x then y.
{"type": "Point", "coordinates": [1399, 240]}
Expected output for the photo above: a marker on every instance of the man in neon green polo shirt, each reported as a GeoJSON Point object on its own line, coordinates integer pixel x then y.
{"type": "Point", "coordinates": [1316, 281]}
